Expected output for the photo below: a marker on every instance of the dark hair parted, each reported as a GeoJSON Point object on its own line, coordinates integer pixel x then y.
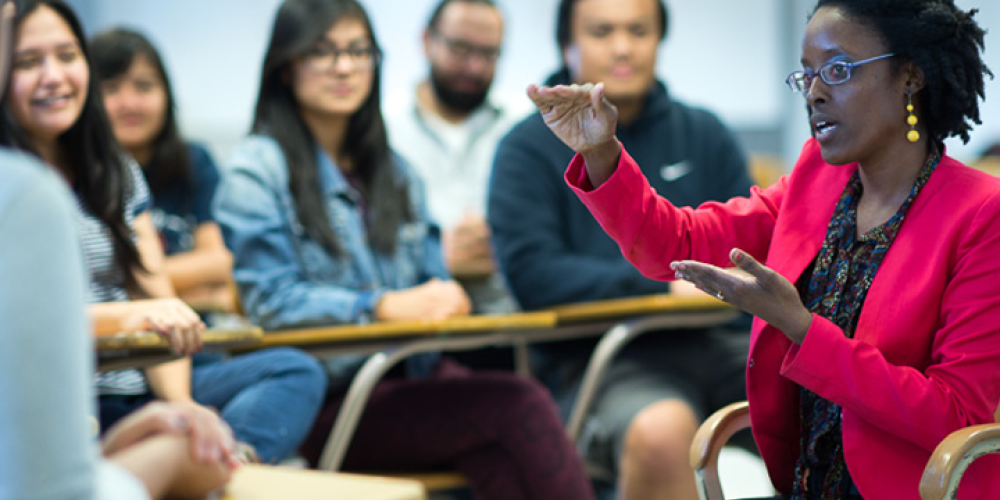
{"type": "Point", "coordinates": [112, 53]}
{"type": "Point", "coordinates": [96, 165]}
{"type": "Point", "coordinates": [299, 25]}
{"type": "Point", "coordinates": [564, 22]}
{"type": "Point", "coordinates": [435, 21]}
{"type": "Point", "coordinates": [945, 43]}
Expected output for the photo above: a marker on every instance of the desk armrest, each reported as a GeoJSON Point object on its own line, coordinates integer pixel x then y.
{"type": "Point", "coordinates": [713, 434]}
{"type": "Point", "coordinates": [950, 459]}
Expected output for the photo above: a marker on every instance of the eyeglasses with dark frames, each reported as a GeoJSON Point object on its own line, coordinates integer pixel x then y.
{"type": "Point", "coordinates": [465, 50]}
{"type": "Point", "coordinates": [324, 56]}
{"type": "Point", "coordinates": [832, 73]}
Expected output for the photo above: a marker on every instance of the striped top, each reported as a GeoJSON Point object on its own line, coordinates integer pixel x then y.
{"type": "Point", "coordinates": [107, 282]}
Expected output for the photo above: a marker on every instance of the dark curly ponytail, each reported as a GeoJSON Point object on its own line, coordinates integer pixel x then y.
{"type": "Point", "coordinates": [942, 40]}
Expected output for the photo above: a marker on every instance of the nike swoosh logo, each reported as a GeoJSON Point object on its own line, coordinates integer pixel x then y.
{"type": "Point", "coordinates": [673, 172]}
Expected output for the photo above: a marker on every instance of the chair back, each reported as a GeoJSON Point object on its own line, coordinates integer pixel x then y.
{"type": "Point", "coordinates": [953, 456]}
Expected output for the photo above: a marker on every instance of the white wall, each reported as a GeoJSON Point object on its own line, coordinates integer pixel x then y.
{"type": "Point", "coordinates": [530, 53]}
{"type": "Point", "coordinates": [728, 55]}
{"type": "Point", "coordinates": [989, 131]}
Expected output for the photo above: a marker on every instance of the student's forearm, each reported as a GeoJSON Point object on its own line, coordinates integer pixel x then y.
{"type": "Point", "coordinates": [215, 298]}
{"type": "Point", "coordinates": [164, 465]}
{"type": "Point", "coordinates": [171, 381]}
{"type": "Point", "coordinates": [198, 268]}
{"type": "Point", "coordinates": [106, 318]}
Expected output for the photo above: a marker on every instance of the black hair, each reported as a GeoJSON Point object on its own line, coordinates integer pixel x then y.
{"type": "Point", "coordinates": [435, 20]}
{"type": "Point", "coordinates": [100, 174]}
{"type": "Point", "coordinates": [299, 24]}
{"type": "Point", "coordinates": [564, 22]}
{"type": "Point", "coordinates": [112, 54]}
{"type": "Point", "coordinates": [945, 43]}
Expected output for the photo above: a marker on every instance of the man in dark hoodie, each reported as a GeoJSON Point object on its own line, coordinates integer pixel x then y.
{"type": "Point", "coordinates": [553, 252]}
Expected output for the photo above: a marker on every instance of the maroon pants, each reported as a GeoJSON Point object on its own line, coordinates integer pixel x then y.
{"type": "Point", "coordinates": [500, 430]}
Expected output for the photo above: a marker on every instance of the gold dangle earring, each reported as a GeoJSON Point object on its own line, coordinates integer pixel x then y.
{"type": "Point", "coordinates": [912, 135]}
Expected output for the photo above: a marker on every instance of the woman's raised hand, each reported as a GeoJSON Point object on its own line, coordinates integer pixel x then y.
{"type": "Point", "coordinates": [581, 117]}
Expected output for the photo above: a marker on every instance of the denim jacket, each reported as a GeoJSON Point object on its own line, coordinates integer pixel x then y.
{"type": "Point", "coordinates": [285, 278]}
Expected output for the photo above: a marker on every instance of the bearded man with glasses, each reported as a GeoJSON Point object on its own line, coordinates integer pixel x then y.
{"type": "Point", "coordinates": [448, 130]}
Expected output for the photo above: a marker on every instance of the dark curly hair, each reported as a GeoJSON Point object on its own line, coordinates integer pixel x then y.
{"type": "Point", "coordinates": [945, 43]}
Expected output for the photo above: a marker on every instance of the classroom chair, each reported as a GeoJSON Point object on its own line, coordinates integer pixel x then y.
{"type": "Point", "coordinates": [939, 482]}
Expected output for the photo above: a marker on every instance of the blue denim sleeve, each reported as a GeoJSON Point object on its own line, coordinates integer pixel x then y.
{"type": "Point", "coordinates": [250, 208]}
{"type": "Point", "coordinates": [433, 265]}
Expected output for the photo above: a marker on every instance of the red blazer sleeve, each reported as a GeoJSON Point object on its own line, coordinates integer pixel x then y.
{"type": "Point", "coordinates": [652, 233]}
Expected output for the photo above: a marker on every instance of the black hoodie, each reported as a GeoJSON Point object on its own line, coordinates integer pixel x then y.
{"type": "Point", "coordinates": [550, 247]}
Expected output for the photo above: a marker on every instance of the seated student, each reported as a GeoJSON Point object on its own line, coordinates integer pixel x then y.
{"type": "Point", "coordinates": [872, 269]}
{"type": "Point", "coordinates": [54, 111]}
{"type": "Point", "coordinates": [47, 452]}
{"type": "Point", "coordinates": [328, 226]}
{"type": "Point", "coordinates": [182, 176]}
{"type": "Point", "coordinates": [662, 384]}
{"type": "Point", "coordinates": [447, 129]}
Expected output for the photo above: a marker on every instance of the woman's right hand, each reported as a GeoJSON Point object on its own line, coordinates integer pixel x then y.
{"type": "Point", "coordinates": [170, 317]}
{"type": "Point", "coordinates": [584, 120]}
{"type": "Point", "coordinates": [434, 299]}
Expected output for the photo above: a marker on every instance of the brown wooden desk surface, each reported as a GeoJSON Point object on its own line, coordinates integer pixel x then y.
{"type": "Point", "coordinates": [417, 328]}
{"type": "Point", "coordinates": [989, 165]}
{"type": "Point", "coordinates": [277, 483]}
{"type": "Point", "coordinates": [223, 337]}
{"type": "Point", "coordinates": [142, 349]}
{"type": "Point", "coordinates": [637, 306]}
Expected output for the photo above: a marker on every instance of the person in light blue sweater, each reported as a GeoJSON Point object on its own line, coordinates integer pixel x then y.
{"type": "Point", "coordinates": [48, 450]}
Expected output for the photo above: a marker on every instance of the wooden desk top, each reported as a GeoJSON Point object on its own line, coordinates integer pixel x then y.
{"type": "Point", "coordinates": [276, 483]}
{"type": "Point", "coordinates": [636, 306]}
{"type": "Point", "coordinates": [153, 341]}
{"type": "Point", "coordinates": [392, 329]}
{"type": "Point", "coordinates": [989, 165]}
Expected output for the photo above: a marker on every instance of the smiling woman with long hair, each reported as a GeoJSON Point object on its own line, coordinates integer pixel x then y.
{"type": "Point", "coordinates": [328, 226]}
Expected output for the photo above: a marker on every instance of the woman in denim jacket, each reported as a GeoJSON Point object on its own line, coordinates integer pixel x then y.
{"type": "Point", "coordinates": [327, 226]}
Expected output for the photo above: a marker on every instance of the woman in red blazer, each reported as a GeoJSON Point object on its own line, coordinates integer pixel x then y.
{"type": "Point", "coordinates": [873, 269]}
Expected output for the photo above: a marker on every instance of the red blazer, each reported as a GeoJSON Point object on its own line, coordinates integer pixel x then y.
{"type": "Point", "coordinates": [925, 359]}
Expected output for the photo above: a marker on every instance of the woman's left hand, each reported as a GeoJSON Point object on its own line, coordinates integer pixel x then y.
{"type": "Point", "coordinates": [760, 292]}
{"type": "Point", "coordinates": [211, 438]}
